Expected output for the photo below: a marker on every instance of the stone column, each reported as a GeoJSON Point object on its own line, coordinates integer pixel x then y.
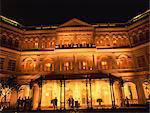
{"type": "Point", "coordinates": [140, 91]}
{"type": "Point", "coordinates": [111, 81]}
{"type": "Point", "coordinates": [60, 94]}
{"type": "Point", "coordinates": [35, 96]}
{"type": "Point", "coordinates": [40, 93]}
{"type": "Point", "coordinates": [64, 94]}
{"type": "Point", "coordinates": [90, 92]}
{"type": "Point", "coordinates": [87, 98]}
{"type": "Point", "coordinates": [121, 92]}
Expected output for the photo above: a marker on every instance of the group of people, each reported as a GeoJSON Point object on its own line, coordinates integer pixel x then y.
{"type": "Point", "coordinates": [71, 103]}
{"type": "Point", "coordinates": [24, 104]}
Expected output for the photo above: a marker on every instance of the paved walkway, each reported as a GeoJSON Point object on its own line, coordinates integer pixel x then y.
{"type": "Point", "coordinates": [120, 110]}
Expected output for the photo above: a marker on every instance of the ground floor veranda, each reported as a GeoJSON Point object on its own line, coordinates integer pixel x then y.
{"type": "Point", "coordinates": [86, 91]}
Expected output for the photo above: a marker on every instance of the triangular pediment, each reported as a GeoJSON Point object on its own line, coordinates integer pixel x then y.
{"type": "Point", "coordinates": [75, 23]}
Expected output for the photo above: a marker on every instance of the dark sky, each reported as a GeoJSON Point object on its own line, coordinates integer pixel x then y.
{"type": "Point", "coordinates": [47, 12]}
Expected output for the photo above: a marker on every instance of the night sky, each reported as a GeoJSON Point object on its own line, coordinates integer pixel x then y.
{"type": "Point", "coordinates": [52, 12]}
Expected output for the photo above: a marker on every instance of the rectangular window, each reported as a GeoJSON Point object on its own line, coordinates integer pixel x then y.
{"type": "Point", "coordinates": [1, 63]}
{"type": "Point", "coordinates": [12, 65]}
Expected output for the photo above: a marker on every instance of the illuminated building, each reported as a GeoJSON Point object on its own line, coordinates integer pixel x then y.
{"type": "Point", "coordinates": [108, 61]}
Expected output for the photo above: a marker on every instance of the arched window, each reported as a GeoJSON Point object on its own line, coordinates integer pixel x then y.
{"type": "Point", "coordinates": [52, 44]}
{"type": "Point", "coordinates": [24, 91]}
{"type": "Point", "coordinates": [107, 41]}
{"type": "Point", "coordinates": [66, 43]}
{"type": "Point", "coordinates": [43, 45]}
{"type": "Point", "coordinates": [146, 87]}
{"type": "Point", "coordinates": [83, 65]}
{"type": "Point", "coordinates": [47, 65]}
{"type": "Point", "coordinates": [83, 43]}
{"type": "Point", "coordinates": [106, 63]}
{"type": "Point", "coordinates": [114, 41]}
{"type": "Point", "coordinates": [30, 65]}
{"type": "Point", "coordinates": [124, 62]}
{"type": "Point", "coordinates": [67, 66]}
{"type": "Point", "coordinates": [36, 45]}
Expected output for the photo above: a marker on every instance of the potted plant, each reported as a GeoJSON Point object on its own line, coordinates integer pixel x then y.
{"type": "Point", "coordinates": [99, 100]}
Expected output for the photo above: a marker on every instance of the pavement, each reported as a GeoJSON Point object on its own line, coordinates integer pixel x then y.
{"type": "Point", "coordinates": [119, 110]}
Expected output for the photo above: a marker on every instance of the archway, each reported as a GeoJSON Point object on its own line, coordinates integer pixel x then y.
{"type": "Point", "coordinates": [131, 92]}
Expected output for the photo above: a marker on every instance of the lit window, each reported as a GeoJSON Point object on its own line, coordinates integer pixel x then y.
{"type": "Point", "coordinates": [43, 45]}
{"type": "Point", "coordinates": [47, 67]}
{"type": "Point", "coordinates": [103, 62]}
{"type": "Point", "coordinates": [114, 42]}
{"type": "Point", "coordinates": [104, 65]}
{"type": "Point", "coordinates": [66, 66]}
{"type": "Point", "coordinates": [84, 65]}
{"type": "Point", "coordinates": [84, 43]}
{"type": "Point", "coordinates": [36, 45]}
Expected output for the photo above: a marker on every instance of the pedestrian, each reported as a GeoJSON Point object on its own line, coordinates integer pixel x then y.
{"type": "Point", "coordinates": [18, 104]}
{"type": "Point", "coordinates": [72, 101]}
{"type": "Point", "coordinates": [55, 103]}
{"type": "Point", "coordinates": [127, 102]}
{"type": "Point", "coordinates": [69, 102]}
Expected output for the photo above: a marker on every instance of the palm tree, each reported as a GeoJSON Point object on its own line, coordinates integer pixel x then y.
{"type": "Point", "coordinates": [7, 86]}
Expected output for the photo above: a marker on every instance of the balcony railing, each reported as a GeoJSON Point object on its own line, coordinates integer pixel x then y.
{"type": "Point", "coordinates": [70, 46]}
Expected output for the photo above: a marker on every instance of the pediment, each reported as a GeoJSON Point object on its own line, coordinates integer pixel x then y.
{"type": "Point", "coordinates": [75, 23]}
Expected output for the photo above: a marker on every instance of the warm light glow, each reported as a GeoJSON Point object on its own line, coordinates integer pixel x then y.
{"type": "Point", "coordinates": [106, 93]}
{"type": "Point", "coordinates": [47, 94]}
{"type": "Point", "coordinates": [84, 63]}
{"type": "Point", "coordinates": [104, 63]}
{"type": "Point", "coordinates": [67, 64]}
{"type": "Point", "coordinates": [114, 41]}
{"type": "Point", "coordinates": [36, 45]}
{"type": "Point", "coordinates": [34, 65]}
{"type": "Point", "coordinates": [48, 64]}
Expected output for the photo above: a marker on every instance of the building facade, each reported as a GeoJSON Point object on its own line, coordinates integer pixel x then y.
{"type": "Point", "coordinates": [86, 62]}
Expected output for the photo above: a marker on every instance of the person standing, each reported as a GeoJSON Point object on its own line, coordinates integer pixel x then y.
{"type": "Point", "coordinates": [127, 102]}
{"type": "Point", "coordinates": [18, 104]}
{"type": "Point", "coordinates": [72, 101]}
{"type": "Point", "coordinates": [55, 103]}
{"type": "Point", "coordinates": [69, 102]}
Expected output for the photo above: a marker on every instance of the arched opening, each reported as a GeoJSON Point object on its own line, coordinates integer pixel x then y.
{"type": "Point", "coordinates": [131, 92]}
{"type": "Point", "coordinates": [50, 91]}
{"type": "Point", "coordinates": [24, 91]}
{"type": "Point", "coordinates": [146, 87]}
